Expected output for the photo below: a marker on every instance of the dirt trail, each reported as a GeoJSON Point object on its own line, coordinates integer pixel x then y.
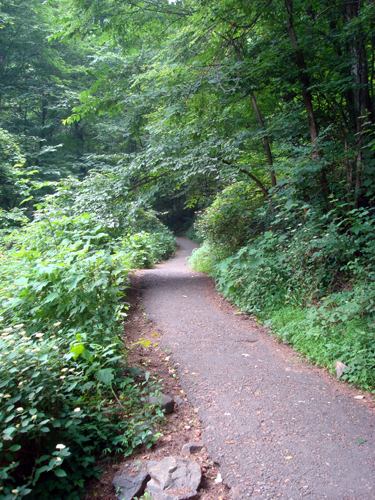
{"type": "Point", "coordinates": [278, 426]}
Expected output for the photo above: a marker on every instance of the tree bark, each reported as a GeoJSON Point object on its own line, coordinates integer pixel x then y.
{"type": "Point", "coordinates": [265, 139]}
{"type": "Point", "coordinates": [307, 99]}
{"type": "Point", "coordinates": [364, 109]}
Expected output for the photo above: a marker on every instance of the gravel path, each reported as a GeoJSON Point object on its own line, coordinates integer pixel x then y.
{"type": "Point", "coordinates": [279, 427]}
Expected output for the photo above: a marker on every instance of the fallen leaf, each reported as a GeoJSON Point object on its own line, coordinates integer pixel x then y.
{"type": "Point", "coordinates": [360, 441]}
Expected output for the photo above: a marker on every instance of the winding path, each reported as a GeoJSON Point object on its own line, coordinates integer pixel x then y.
{"type": "Point", "coordinates": [278, 426]}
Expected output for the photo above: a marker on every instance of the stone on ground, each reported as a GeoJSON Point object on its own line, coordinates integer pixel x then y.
{"type": "Point", "coordinates": [179, 401]}
{"type": "Point", "coordinates": [174, 478]}
{"type": "Point", "coordinates": [165, 402]}
{"type": "Point", "coordinates": [127, 486]}
{"type": "Point", "coordinates": [191, 448]}
{"type": "Point", "coordinates": [340, 367]}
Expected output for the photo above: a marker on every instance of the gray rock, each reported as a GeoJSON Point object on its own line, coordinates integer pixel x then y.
{"type": "Point", "coordinates": [340, 367]}
{"type": "Point", "coordinates": [165, 402]}
{"type": "Point", "coordinates": [128, 486]}
{"type": "Point", "coordinates": [179, 401]}
{"type": "Point", "coordinates": [191, 448]}
{"type": "Point", "coordinates": [150, 464]}
{"type": "Point", "coordinates": [174, 478]}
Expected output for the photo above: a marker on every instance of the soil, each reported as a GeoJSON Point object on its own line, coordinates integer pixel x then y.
{"type": "Point", "coordinates": [274, 425]}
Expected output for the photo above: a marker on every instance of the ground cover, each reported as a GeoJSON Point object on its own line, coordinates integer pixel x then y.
{"type": "Point", "coordinates": [308, 274]}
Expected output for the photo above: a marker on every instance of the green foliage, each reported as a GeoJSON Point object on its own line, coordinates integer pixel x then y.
{"type": "Point", "coordinates": [11, 175]}
{"type": "Point", "coordinates": [326, 337]}
{"type": "Point", "coordinates": [310, 274]}
{"type": "Point", "coordinates": [268, 106]}
{"type": "Point", "coordinates": [67, 394]}
{"type": "Point", "coordinates": [226, 222]}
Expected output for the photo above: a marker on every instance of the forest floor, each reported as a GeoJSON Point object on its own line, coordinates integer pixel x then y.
{"type": "Point", "coordinates": [274, 425]}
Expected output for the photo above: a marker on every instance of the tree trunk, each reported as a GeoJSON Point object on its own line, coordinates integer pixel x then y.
{"type": "Point", "coordinates": [361, 98]}
{"type": "Point", "coordinates": [307, 99]}
{"type": "Point", "coordinates": [265, 139]}
{"type": "Point", "coordinates": [363, 106]}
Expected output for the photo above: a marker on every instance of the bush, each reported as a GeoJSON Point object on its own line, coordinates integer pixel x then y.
{"type": "Point", "coordinates": [66, 392]}
{"type": "Point", "coordinates": [226, 223]}
{"type": "Point", "coordinates": [310, 273]}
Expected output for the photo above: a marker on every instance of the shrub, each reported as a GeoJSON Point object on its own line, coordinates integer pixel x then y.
{"type": "Point", "coordinates": [67, 394]}
{"type": "Point", "coordinates": [310, 273]}
{"type": "Point", "coordinates": [226, 223]}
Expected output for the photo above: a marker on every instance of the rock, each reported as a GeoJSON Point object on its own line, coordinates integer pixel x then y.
{"type": "Point", "coordinates": [128, 486]}
{"type": "Point", "coordinates": [150, 464]}
{"type": "Point", "coordinates": [165, 402]}
{"type": "Point", "coordinates": [179, 401]}
{"type": "Point", "coordinates": [174, 478]}
{"type": "Point", "coordinates": [191, 448]}
{"type": "Point", "coordinates": [340, 368]}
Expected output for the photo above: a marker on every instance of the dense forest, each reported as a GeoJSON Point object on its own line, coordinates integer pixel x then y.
{"type": "Point", "coordinates": [247, 126]}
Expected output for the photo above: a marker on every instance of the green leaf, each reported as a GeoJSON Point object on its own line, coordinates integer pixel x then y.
{"type": "Point", "coordinates": [51, 297]}
{"type": "Point", "coordinates": [15, 447]}
{"type": "Point", "coordinates": [22, 281]}
{"type": "Point", "coordinates": [60, 473]}
{"type": "Point", "coordinates": [77, 350]}
{"type": "Point", "coordinates": [105, 375]}
{"type": "Point", "coordinates": [360, 441]}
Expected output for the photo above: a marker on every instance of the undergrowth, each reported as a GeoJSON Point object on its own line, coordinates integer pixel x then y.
{"type": "Point", "coordinates": [66, 392]}
{"type": "Point", "coordinates": [309, 274]}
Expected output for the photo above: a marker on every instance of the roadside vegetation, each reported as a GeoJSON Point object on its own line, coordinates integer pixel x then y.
{"type": "Point", "coordinates": [306, 273]}
{"type": "Point", "coordinates": [67, 393]}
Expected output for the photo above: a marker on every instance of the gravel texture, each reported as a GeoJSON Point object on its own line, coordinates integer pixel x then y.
{"type": "Point", "coordinates": [278, 426]}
